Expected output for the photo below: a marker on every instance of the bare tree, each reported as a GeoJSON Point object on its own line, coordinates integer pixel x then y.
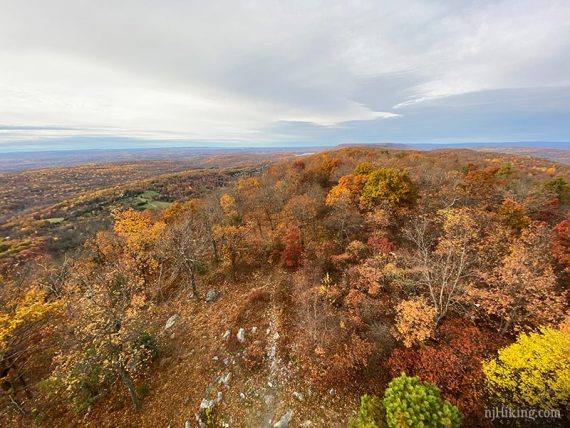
{"type": "Point", "coordinates": [185, 247]}
{"type": "Point", "coordinates": [440, 266]}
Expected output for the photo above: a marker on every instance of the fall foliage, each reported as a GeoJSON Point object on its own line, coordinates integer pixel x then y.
{"type": "Point", "coordinates": [335, 272]}
{"type": "Point", "coordinates": [534, 371]}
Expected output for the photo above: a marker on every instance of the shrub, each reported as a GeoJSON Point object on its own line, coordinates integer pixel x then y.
{"type": "Point", "coordinates": [370, 415]}
{"type": "Point", "coordinates": [410, 402]}
{"type": "Point", "coordinates": [147, 344]}
{"type": "Point", "coordinates": [533, 371]}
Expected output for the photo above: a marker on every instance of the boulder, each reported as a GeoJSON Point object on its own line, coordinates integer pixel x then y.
{"type": "Point", "coordinates": [212, 296]}
{"type": "Point", "coordinates": [241, 335]}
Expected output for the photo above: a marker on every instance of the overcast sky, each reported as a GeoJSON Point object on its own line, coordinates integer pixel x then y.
{"type": "Point", "coordinates": [284, 72]}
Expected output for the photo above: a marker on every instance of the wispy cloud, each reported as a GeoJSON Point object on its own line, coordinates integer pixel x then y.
{"type": "Point", "coordinates": [253, 71]}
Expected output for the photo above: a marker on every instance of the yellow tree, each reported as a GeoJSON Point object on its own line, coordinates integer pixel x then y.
{"type": "Point", "coordinates": [138, 233]}
{"type": "Point", "coordinates": [21, 322]}
{"type": "Point", "coordinates": [532, 372]}
{"type": "Point", "coordinates": [390, 186]}
{"type": "Point", "coordinates": [230, 233]}
{"type": "Point", "coordinates": [107, 313]}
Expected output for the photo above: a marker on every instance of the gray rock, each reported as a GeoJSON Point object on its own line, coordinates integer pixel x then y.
{"type": "Point", "coordinates": [298, 396]}
{"type": "Point", "coordinates": [253, 330]}
{"type": "Point", "coordinates": [199, 421]}
{"type": "Point", "coordinates": [241, 335]}
{"type": "Point", "coordinates": [170, 322]}
{"type": "Point", "coordinates": [285, 419]}
{"type": "Point", "coordinates": [226, 335]}
{"type": "Point", "coordinates": [224, 380]}
{"type": "Point", "coordinates": [187, 424]}
{"type": "Point", "coordinates": [306, 424]}
{"type": "Point", "coordinates": [207, 404]}
{"type": "Point", "coordinates": [212, 296]}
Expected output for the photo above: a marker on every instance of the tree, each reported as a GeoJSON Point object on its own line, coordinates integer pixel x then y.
{"type": "Point", "coordinates": [303, 210]}
{"type": "Point", "coordinates": [513, 215]}
{"type": "Point", "coordinates": [138, 233]}
{"type": "Point", "coordinates": [561, 244]}
{"type": "Point", "coordinates": [521, 290]}
{"type": "Point", "coordinates": [387, 185]}
{"type": "Point", "coordinates": [410, 402]}
{"type": "Point", "coordinates": [185, 246]}
{"type": "Point", "coordinates": [363, 168]}
{"type": "Point", "coordinates": [106, 309]}
{"type": "Point", "coordinates": [560, 187]}
{"type": "Point", "coordinates": [21, 336]}
{"type": "Point", "coordinates": [414, 321]}
{"type": "Point", "coordinates": [532, 372]}
{"type": "Point", "coordinates": [453, 363]}
{"type": "Point", "coordinates": [480, 186]}
{"type": "Point", "coordinates": [347, 191]}
{"type": "Point", "coordinates": [371, 413]}
{"type": "Point", "coordinates": [293, 251]}
{"type": "Point", "coordinates": [440, 267]}
{"type": "Point", "coordinates": [230, 234]}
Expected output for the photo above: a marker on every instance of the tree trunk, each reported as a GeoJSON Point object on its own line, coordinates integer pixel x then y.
{"type": "Point", "coordinates": [24, 384]}
{"type": "Point", "coordinates": [215, 249]}
{"type": "Point", "coordinates": [193, 283]}
{"type": "Point", "coordinates": [131, 387]}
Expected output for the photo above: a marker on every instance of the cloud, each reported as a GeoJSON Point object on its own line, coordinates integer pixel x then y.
{"type": "Point", "coordinates": [253, 71]}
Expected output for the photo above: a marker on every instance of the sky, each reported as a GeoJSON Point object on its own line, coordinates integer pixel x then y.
{"type": "Point", "coordinates": [77, 73]}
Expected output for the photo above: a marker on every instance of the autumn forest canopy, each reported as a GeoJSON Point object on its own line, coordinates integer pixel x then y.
{"type": "Point", "coordinates": [359, 287]}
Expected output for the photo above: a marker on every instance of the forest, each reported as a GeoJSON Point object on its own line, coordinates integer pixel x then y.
{"type": "Point", "coordinates": [359, 287]}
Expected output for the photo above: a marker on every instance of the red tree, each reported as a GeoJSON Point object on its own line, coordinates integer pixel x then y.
{"type": "Point", "coordinates": [293, 251]}
{"type": "Point", "coordinates": [454, 365]}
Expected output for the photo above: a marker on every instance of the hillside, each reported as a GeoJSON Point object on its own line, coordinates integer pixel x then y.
{"type": "Point", "coordinates": [278, 291]}
{"type": "Point", "coordinates": [57, 208]}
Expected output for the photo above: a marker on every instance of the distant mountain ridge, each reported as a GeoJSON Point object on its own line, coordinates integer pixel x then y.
{"type": "Point", "coordinates": [26, 160]}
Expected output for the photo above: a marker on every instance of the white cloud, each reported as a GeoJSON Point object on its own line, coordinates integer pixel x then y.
{"type": "Point", "coordinates": [226, 71]}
